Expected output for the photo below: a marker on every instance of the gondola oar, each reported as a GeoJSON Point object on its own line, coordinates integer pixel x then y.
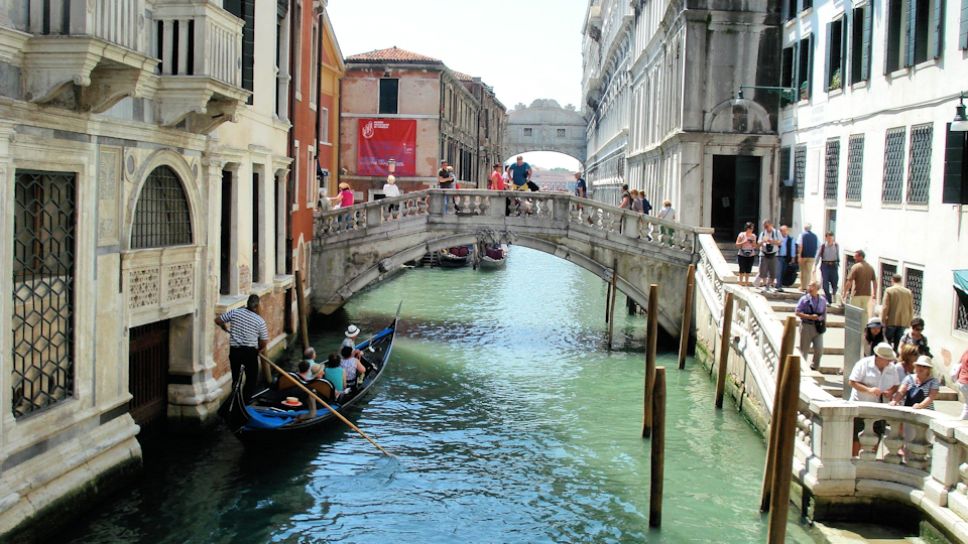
{"type": "Point", "coordinates": [327, 406]}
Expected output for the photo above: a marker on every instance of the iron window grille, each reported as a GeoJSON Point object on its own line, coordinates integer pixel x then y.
{"type": "Point", "coordinates": [919, 165]}
{"type": "Point", "coordinates": [855, 167]}
{"type": "Point", "coordinates": [893, 166]}
{"type": "Point", "coordinates": [161, 218]}
{"type": "Point", "coordinates": [914, 280]}
{"type": "Point", "coordinates": [832, 163]}
{"type": "Point", "coordinates": [45, 223]}
{"type": "Point", "coordinates": [887, 271]}
{"type": "Point", "coordinates": [799, 169]}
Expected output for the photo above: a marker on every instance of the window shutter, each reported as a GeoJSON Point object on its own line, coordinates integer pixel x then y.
{"type": "Point", "coordinates": [912, 23]}
{"type": "Point", "coordinates": [796, 71]}
{"type": "Point", "coordinates": [810, 49]}
{"type": "Point", "coordinates": [843, 52]}
{"type": "Point", "coordinates": [865, 62]}
{"type": "Point", "coordinates": [827, 67]}
{"type": "Point", "coordinates": [936, 38]}
{"type": "Point", "coordinates": [784, 11]}
{"type": "Point", "coordinates": [955, 178]}
{"type": "Point", "coordinates": [963, 38]}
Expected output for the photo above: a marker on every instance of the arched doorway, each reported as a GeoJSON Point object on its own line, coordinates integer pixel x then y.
{"type": "Point", "coordinates": [551, 170]}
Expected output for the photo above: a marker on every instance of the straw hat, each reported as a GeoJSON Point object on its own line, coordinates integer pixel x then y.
{"type": "Point", "coordinates": [885, 351]}
{"type": "Point", "coordinates": [344, 185]}
{"type": "Point", "coordinates": [352, 331]}
{"type": "Point", "coordinates": [924, 360]}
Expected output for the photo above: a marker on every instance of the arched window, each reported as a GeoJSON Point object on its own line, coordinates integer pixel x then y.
{"type": "Point", "coordinates": [161, 218]}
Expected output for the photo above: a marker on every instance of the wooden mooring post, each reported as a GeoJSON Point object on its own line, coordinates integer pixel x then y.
{"type": "Point", "coordinates": [687, 316]}
{"type": "Point", "coordinates": [301, 310]}
{"type": "Point", "coordinates": [657, 474]}
{"type": "Point", "coordinates": [724, 348]}
{"type": "Point", "coordinates": [785, 418]}
{"type": "Point", "coordinates": [652, 338]}
{"type": "Point", "coordinates": [786, 349]}
{"type": "Point", "coordinates": [610, 315]}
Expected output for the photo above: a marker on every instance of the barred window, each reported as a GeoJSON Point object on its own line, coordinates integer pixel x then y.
{"type": "Point", "coordinates": [914, 280]}
{"type": "Point", "coordinates": [887, 270]}
{"type": "Point", "coordinates": [849, 261]}
{"type": "Point", "coordinates": [855, 167]}
{"type": "Point", "coordinates": [832, 170]}
{"type": "Point", "coordinates": [919, 165]}
{"type": "Point", "coordinates": [161, 218]}
{"type": "Point", "coordinates": [45, 224]}
{"type": "Point", "coordinates": [799, 169]}
{"type": "Point", "coordinates": [893, 166]}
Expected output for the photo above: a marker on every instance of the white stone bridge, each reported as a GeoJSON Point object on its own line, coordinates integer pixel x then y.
{"type": "Point", "coordinates": [355, 247]}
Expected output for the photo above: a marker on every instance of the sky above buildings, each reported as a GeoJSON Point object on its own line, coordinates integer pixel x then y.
{"type": "Point", "coordinates": [525, 49]}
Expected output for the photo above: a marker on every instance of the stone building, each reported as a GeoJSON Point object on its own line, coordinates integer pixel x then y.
{"type": "Point", "coordinates": [867, 145]}
{"type": "Point", "coordinates": [491, 118]}
{"type": "Point", "coordinates": [412, 109]}
{"type": "Point", "coordinates": [660, 88]}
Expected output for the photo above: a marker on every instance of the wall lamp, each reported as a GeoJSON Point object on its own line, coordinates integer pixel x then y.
{"type": "Point", "coordinates": [787, 93]}
{"type": "Point", "coordinates": [960, 122]}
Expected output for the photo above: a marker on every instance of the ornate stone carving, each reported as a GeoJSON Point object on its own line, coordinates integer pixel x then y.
{"type": "Point", "coordinates": [181, 282]}
{"type": "Point", "coordinates": [144, 287]}
{"type": "Point", "coordinates": [108, 179]}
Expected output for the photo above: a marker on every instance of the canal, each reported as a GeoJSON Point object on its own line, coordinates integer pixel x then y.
{"type": "Point", "coordinates": [511, 422]}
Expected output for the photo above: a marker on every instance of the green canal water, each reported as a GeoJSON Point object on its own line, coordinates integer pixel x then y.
{"type": "Point", "coordinates": [511, 422]}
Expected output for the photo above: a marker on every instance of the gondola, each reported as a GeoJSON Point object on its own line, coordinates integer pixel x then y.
{"type": "Point", "coordinates": [456, 257]}
{"type": "Point", "coordinates": [494, 257]}
{"type": "Point", "coordinates": [268, 419]}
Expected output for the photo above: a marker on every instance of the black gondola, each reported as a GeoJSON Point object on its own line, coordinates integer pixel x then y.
{"type": "Point", "coordinates": [456, 257]}
{"type": "Point", "coordinates": [267, 418]}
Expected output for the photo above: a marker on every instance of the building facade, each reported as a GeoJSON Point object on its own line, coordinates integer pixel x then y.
{"type": "Point", "coordinates": [867, 146]}
{"type": "Point", "coordinates": [491, 116]}
{"type": "Point", "coordinates": [660, 86]}
{"type": "Point", "coordinates": [411, 111]}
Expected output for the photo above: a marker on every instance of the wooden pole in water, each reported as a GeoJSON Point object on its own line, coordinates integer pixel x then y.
{"type": "Point", "coordinates": [786, 349]}
{"type": "Point", "coordinates": [652, 340]}
{"type": "Point", "coordinates": [611, 305]}
{"type": "Point", "coordinates": [301, 310]}
{"type": "Point", "coordinates": [786, 421]}
{"type": "Point", "coordinates": [724, 348]}
{"type": "Point", "coordinates": [686, 316]}
{"type": "Point", "coordinates": [658, 448]}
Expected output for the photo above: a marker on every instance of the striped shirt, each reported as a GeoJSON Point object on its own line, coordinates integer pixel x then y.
{"type": "Point", "coordinates": [247, 328]}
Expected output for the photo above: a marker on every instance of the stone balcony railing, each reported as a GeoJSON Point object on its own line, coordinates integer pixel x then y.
{"type": "Point", "coordinates": [919, 458]}
{"type": "Point", "coordinates": [159, 283]}
{"type": "Point", "coordinates": [120, 22]}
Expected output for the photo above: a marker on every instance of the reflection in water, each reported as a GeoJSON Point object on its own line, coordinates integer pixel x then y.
{"type": "Point", "coordinates": [511, 422]}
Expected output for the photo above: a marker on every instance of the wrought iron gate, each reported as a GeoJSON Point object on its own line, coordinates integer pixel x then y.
{"type": "Point", "coordinates": [148, 372]}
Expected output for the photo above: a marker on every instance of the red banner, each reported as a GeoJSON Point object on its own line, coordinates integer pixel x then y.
{"type": "Point", "coordinates": [382, 140]}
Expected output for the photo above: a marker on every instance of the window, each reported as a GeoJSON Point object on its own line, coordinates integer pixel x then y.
{"type": "Point", "coordinates": [887, 271]}
{"type": "Point", "coordinates": [311, 191]}
{"type": "Point", "coordinates": [849, 261]}
{"type": "Point", "coordinates": [893, 166]}
{"type": "Point", "coordinates": [785, 164]}
{"type": "Point", "coordinates": [799, 170]}
{"type": "Point", "coordinates": [245, 10]}
{"type": "Point", "coordinates": [225, 236]}
{"type": "Point", "coordinates": [919, 165]}
{"type": "Point", "coordinates": [297, 49]}
{"type": "Point", "coordinates": [961, 319]}
{"type": "Point", "coordinates": [836, 48]}
{"type": "Point", "coordinates": [561, 133]}
{"type": "Point", "coordinates": [861, 26]}
{"type": "Point", "coordinates": [44, 230]}
{"type": "Point", "coordinates": [162, 217]}
{"type": "Point", "coordinates": [528, 132]}
{"type": "Point", "coordinates": [324, 126]}
{"type": "Point", "coordinates": [805, 68]}
{"type": "Point", "coordinates": [788, 67]}
{"type": "Point", "coordinates": [831, 169]}
{"type": "Point", "coordinates": [855, 167]}
{"type": "Point", "coordinates": [914, 280]}
{"type": "Point", "coordinates": [963, 35]}
{"type": "Point", "coordinates": [807, 4]}
{"type": "Point", "coordinates": [789, 9]}
{"type": "Point", "coordinates": [388, 95]}
{"type": "Point", "coordinates": [955, 189]}
{"type": "Point", "coordinates": [914, 32]}
{"type": "Point", "coordinates": [256, 227]}
{"type": "Point", "coordinates": [314, 67]}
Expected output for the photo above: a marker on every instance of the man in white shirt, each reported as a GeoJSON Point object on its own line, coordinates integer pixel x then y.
{"type": "Point", "coordinates": [874, 378]}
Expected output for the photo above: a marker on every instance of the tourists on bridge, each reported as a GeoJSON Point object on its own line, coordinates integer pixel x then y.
{"type": "Point", "coordinates": [807, 246]}
{"type": "Point", "coordinates": [768, 241]}
{"type": "Point", "coordinates": [626, 202]}
{"type": "Point", "coordinates": [496, 182]}
{"type": "Point", "coordinates": [906, 358]}
{"type": "Point", "coordinates": [745, 253]}
{"type": "Point", "coordinates": [390, 188]}
{"type": "Point", "coordinates": [812, 311]}
{"type": "Point", "coordinates": [581, 188]}
{"type": "Point", "coordinates": [897, 310]}
{"type": "Point", "coordinates": [646, 205]}
{"type": "Point", "coordinates": [960, 376]}
{"type": "Point", "coordinates": [874, 378]}
{"type": "Point", "coordinates": [445, 177]}
{"type": "Point", "coordinates": [873, 335]}
{"type": "Point", "coordinates": [785, 257]}
{"type": "Point", "coordinates": [918, 390]}
{"type": "Point", "coordinates": [636, 201]}
{"type": "Point", "coordinates": [520, 174]}
{"type": "Point", "coordinates": [829, 256]}
{"type": "Point", "coordinates": [345, 196]}
{"type": "Point", "coordinates": [915, 337]}
{"type": "Point", "coordinates": [667, 212]}
{"type": "Point", "coordinates": [861, 284]}
{"type": "Point", "coordinates": [248, 337]}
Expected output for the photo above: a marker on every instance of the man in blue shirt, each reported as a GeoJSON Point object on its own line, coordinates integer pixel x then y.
{"type": "Point", "coordinates": [808, 244]}
{"type": "Point", "coordinates": [520, 174]}
{"type": "Point", "coordinates": [581, 189]}
{"type": "Point", "coordinates": [785, 255]}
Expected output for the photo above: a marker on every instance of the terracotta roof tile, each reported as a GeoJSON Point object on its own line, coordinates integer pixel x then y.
{"type": "Point", "coordinates": [391, 54]}
{"type": "Point", "coordinates": [461, 76]}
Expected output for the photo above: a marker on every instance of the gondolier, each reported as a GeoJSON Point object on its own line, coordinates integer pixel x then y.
{"type": "Point", "coordinates": [248, 336]}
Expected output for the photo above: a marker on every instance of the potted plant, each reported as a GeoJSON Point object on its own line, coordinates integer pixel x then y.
{"type": "Point", "coordinates": [835, 80]}
{"type": "Point", "coordinates": [804, 91]}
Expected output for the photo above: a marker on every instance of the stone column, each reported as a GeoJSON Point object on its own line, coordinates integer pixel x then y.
{"type": "Point", "coordinates": [945, 461]}
{"type": "Point", "coordinates": [831, 471]}
{"type": "Point", "coordinates": [7, 135]}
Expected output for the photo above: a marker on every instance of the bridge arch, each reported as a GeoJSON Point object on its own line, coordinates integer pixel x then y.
{"type": "Point", "coordinates": [546, 126]}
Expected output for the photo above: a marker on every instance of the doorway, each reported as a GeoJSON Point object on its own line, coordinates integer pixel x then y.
{"type": "Point", "coordinates": [148, 372]}
{"type": "Point", "coordinates": [735, 194]}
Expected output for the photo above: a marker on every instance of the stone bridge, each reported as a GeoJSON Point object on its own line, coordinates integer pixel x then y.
{"type": "Point", "coordinates": [545, 126]}
{"type": "Point", "coordinates": [355, 247]}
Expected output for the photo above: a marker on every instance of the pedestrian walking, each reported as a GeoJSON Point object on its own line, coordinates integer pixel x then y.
{"type": "Point", "coordinates": [812, 311]}
{"type": "Point", "coordinates": [248, 337]}
{"type": "Point", "coordinates": [830, 267]}
{"type": "Point", "coordinates": [520, 174]}
{"type": "Point", "coordinates": [345, 196]}
{"type": "Point", "coordinates": [873, 335]}
{"type": "Point", "coordinates": [785, 256]}
{"type": "Point", "coordinates": [861, 284]}
{"type": "Point", "coordinates": [768, 242]}
{"type": "Point", "coordinates": [667, 212]}
{"type": "Point", "coordinates": [915, 337]}
{"type": "Point", "coordinates": [496, 182]}
{"type": "Point", "coordinates": [746, 253]}
{"type": "Point", "coordinates": [626, 202]}
{"type": "Point", "coordinates": [807, 255]}
{"type": "Point", "coordinates": [581, 188]}
{"type": "Point", "coordinates": [897, 310]}
{"type": "Point", "coordinates": [636, 201]}
{"type": "Point", "coordinates": [873, 379]}
{"type": "Point", "coordinates": [646, 205]}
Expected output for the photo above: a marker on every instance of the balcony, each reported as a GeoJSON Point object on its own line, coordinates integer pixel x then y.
{"type": "Point", "coordinates": [200, 47]}
{"type": "Point", "coordinates": [98, 45]}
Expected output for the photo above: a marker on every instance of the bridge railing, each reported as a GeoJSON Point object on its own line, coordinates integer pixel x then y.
{"type": "Point", "coordinates": [511, 208]}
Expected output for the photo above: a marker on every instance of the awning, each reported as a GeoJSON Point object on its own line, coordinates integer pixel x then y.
{"type": "Point", "coordinates": [961, 280]}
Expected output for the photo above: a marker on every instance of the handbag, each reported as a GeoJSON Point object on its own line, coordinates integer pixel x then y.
{"type": "Point", "coordinates": [913, 396]}
{"type": "Point", "coordinates": [820, 324]}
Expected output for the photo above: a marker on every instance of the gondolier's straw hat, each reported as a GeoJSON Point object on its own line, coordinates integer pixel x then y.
{"type": "Point", "coordinates": [885, 351]}
{"type": "Point", "coordinates": [352, 331]}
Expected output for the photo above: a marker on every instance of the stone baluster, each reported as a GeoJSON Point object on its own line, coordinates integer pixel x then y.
{"type": "Point", "coordinates": [946, 465]}
{"type": "Point", "coordinates": [917, 450]}
{"type": "Point", "coordinates": [373, 214]}
{"type": "Point", "coordinates": [436, 203]}
{"type": "Point", "coordinates": [868, 441]}
{"type": "Point", "coordinates": [562, 208]}
{"type": "Point", "coordinates": [893, 442]}
{"type": "Point", "coordinates": [832, 465]}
